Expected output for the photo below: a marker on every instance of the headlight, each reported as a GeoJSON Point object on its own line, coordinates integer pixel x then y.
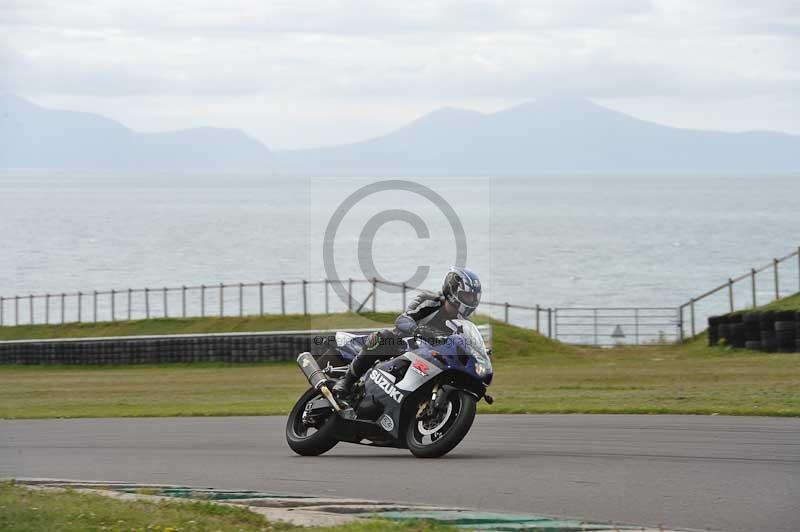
{"type": "Point", "coordinates": [480, 369]}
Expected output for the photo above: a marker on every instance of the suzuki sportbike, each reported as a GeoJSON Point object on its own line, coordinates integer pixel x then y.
{"type": "Point", "coordinates": [423, 400]}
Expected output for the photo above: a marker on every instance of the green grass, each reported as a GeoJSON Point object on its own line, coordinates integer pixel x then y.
{"type": "Point", "coordinates": [25, 510]}
{"type": "Point", "coordinates": [195, 325]}
{"type": "Point", "coordinates": [785, 303]}
{"type": "Point", "coordinates": [532, 375]}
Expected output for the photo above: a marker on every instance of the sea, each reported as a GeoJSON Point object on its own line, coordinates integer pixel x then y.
{"type": "Point", "coordinates": [553, 241]}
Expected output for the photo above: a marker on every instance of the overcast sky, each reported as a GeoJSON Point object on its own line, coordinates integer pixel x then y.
{"type": "Point", "coordinates": [306, 73]}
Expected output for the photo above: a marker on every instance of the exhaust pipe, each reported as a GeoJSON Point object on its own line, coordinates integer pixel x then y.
{"type": "Point", "coordinates": [316, 377]}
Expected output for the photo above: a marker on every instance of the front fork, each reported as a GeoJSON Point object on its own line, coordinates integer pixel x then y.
{"type": "Point", "coordinates": [425, 405]}
{"type": "Point", "coordinates": [439, 396]}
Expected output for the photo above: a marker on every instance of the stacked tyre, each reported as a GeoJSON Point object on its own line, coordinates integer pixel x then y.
{"type": "Point", "coordinates": [797, 336]}
{"type": "Point", "coordinates": [713, 329]}
{"type": "Point", "coordinates": [768, 331]}
{"type": "Point", "coordinates": [737, 330]}
{"type": "Point", "coordinates": [767, 325]}
{"type": "Point", "coordinates": [724, 330]}
{"type": "Point", "coordinates": [752, 330]}
{"type": "Point", "coordinates": [786, 331]}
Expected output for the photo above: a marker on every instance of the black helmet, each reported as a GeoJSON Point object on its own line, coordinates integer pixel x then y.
{"type": "Point", "coordinates": [462, 288]}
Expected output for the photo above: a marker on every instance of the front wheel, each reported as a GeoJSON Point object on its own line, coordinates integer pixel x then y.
{"type": "Point", "coordinates": [310, 436]}
{"type": "Point", "coordinates": [434, 434]}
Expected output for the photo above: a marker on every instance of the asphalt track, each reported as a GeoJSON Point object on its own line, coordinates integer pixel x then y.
{"type": "Point", "coordinates": [699, 472]}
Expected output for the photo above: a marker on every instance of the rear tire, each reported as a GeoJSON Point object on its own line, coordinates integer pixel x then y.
{"type": "Point", "coordinates": [461, 408]}
{"type": "Point", "coordinates": [297, 436]}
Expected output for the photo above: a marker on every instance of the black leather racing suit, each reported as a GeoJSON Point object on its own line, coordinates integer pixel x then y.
{"type": "Point", "coordinates": [426, 310]}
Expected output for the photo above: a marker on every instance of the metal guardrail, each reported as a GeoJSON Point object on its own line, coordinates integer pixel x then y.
{"type": "Point", "coordinates": [260, 298]}
{"type": "Point", "coordinates": [605, 326]}
{"type": "Point", "coordinates": [221, 299]}
{"type": "Point", "coordinates": [751, 296]}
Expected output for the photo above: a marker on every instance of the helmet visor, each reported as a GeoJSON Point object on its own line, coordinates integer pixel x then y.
{"type": "Point", "coordinates": [470, 299]}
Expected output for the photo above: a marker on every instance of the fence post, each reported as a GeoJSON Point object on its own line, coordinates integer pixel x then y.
{"type": "Point", "coordinates": [555, 323]}
{"type": "Point", "coordinates": [730, 293]}
{"type": "Point", "coordinates": [680, 322]}
{"type": "Point", "coordinates": [166, 310]}
{"type": "Point", "coordinates": [375, 295]}
{"type": "Point", "coordinates": [636, 325]}
{"type": "Point", "coordinates": [261, 298]}
{"type": "Point", "coordinates": [202, 301]}
{"type": "Point", "coordinates": [691, 314]}
{"type": "Point", "coordinates": [63, 297]}
{"type": "Point", "coordinates": [775, 270]}
{"type": "Point", "coordinates": [94, 306]}
{"type": "Point", "coordinates": [753, 284]}
{"type": "Point", "coordinates": [46, 310]}
{"type": "Point", "coordinates": [2, 321]}
{"type": "Point", "coordinates": [594, 317]}
{"type": "Point", "coordinates": [549, 322]}
{"type": "Point", "coordinates": [147, 303]}
{"type": "Point", "coordinates": [113, 305]}
{"type": "Point", "coordinates": [221, 300]}
{"type": "Point", "coordinates": [241, 300]}
{"type": "Point", "coordinates": [350, 294]}
{"type": "Point", "coordinates": [506, 312]}
{"type": "Point", "coordinates": [283, 297]}
{"type": "Point", "coordinates": [80, 306]}
{"type": "Point", "coordinates": [16, 310]}
{"type": "Point", "coordinates": [326, 297]}
{"type": "Point", "coordinates": [130, 296]}
{"type": "Point", "coordinates": [404, 296]}
{"type": "Point", "coordinates": [30, 308]}
{"type": "Point", "coordinates": [305, 299]}
{"type": "Point", "coordinates": [798, 268]}
{"type": "Point", "coordinates": [183, 301]}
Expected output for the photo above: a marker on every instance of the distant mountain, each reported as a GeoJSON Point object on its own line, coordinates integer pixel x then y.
{"type": "Point", "coordinates": [548, 135]}
{"type": "Point", "coordinates": [553, 135]}
{"type": "Point", "coordinates": [35, 137]}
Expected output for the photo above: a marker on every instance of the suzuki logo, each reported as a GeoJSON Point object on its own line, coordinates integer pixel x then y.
{"type": "Point", "coordinates": [420, 367]}
{"type": "Point", "coordinates": [387, 423]}
{"type": "Point", "coordinates": [384, 384]}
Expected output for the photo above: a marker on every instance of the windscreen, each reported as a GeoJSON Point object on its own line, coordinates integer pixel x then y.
{"type": "Point", "coordinates": [475, 341]}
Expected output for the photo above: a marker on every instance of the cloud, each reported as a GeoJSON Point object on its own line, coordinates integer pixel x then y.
{"type": "Point", "coordinates": [299, 56]}
{"type": "Point", "coordinates": [339, 17]}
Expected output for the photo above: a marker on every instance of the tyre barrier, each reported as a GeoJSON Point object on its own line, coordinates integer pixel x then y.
{"type": "Point", "coordinates": [752, 330]}
{"type": "Point", "coordinates": [228, 347]}
{"type": "Point", "coordinates": [713, 329]}
{"type": "Point", "coordinates": [767, 324]}
{"type": "Point", "coordinates": [786, 331]}
{"type": "Point", "coordinates": [725, 333]}
{"type": "Point", "coordinates": [737, 331]}
{"type": "Point", "coordinates": [768, 331]}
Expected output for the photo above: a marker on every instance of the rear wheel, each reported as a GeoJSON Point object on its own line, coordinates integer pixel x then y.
{"type": "Point", "coordinates": [310, 435]}
{"type": "Point", "coordinates": [435, 433]}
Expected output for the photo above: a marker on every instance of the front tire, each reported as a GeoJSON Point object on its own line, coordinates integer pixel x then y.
{"type": "Point", "coordinates": [432, 437]}
{"type": "Point", "coordinates": [298, 435]}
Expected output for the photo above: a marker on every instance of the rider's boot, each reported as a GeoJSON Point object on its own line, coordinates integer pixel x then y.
{"type": "Point", "coordinates": [360, 364]}
{"type": "Point", "coordinates": [378, 346]}
{"type": "Point", "coordinates": [344, 385]}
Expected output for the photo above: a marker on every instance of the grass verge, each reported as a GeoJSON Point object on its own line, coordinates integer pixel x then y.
{"type": "Point", "coordinates": [292, 322]}
{"type": "Point", "coordinates": [25, 510]}
{"type": "Point", "coordinates": [532, 375]}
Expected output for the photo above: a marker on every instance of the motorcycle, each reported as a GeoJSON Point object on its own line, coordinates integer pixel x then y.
{"type": "Point", "coordinates": [424, 399]}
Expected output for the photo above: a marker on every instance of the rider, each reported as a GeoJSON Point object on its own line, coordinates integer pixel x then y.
{"type": "Point", "coordinates": [460, 295]}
